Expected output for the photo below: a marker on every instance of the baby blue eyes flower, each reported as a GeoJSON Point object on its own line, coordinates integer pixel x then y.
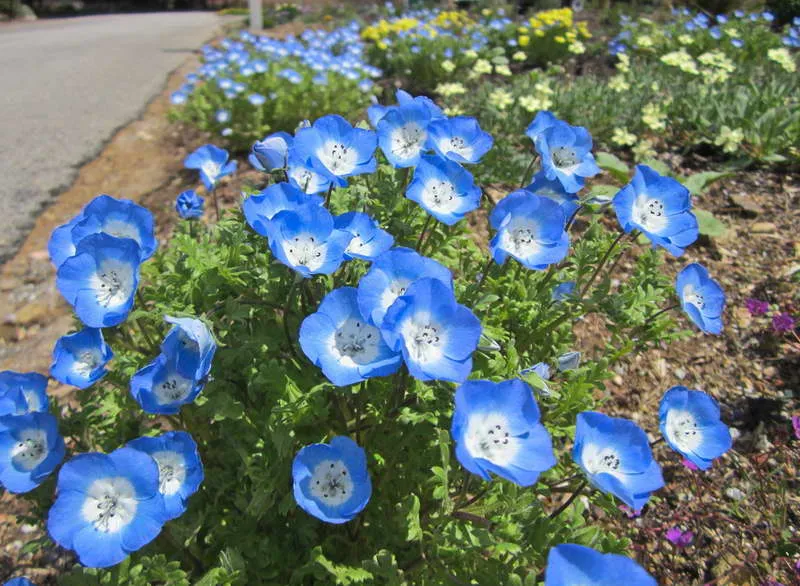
{"type": "Point", "coordinates": [191, 344]}
{"type": "Point", "coordinates": [180, 471]}
{"type": "Point", "coordinates": [107, 506]}
{"type": "Point", "coordinates": [259, 209]}
{"type": "Point", "coordinates": [459, 139]}
{"type": "Point", "coordinates": [402, 134]}
{"type": "Point", "coordinates": [178, 98]}
{"type": "Point", "coordinates": [305, 240]}
{"type": "Point", "coordinates": [212, 163]}
{"type": "Point", "coordinates": [530, 228]}
{"type": "Point", "coordinates": [341, 342]}
{"type": "Point", "coordinates": [563, 291]}
{"type": "Point", "coordinates": [566, 155]}
{"type": "Point", "coordinates": [390, 276]}
{"type": "Point", "coordinates": [341, 150]}
{"type": "Point", "coordinates": [541, 122]}
{"type": "Point", "coordinates": [445, 189]}
{"type": "Point", "coordinates": [21, 581]}
{"type": "Point", "coordinates": [615, 455]}
{"type": "Point", "coordinates": [701, 298]}
{"type": "Point", "coordinates": [272, 152]}
{"type": "Point", "coordinates": [256, 99]}
{"type": "Point", "coordinates": [658, 206]}
{"type": "Point", "coordinates": [30, 449]}
{"type": "Point", "coordinates": [369, 240]}
{"type": "Point", "coordinates": [101, 279]}
{"type": "Point", "coordinates": [307, 174]}
{"type": "Point", "coordinates": [291, 76]}
{"type": "Point", "coordinates": [223, 116]}
{"type": "Point", "coordinates": [541, 185]}
{"type": "Point", "coordinates": [497, 429]}
{"type": "Point", "coordinates": [569, 564]}
{"type": "Point", "coordinates": [162, 388]}
{"type": "Point", "coordinates": [79, 359]}
{"type": "Point", "coordinates": [690, 422]}
{"type": "Point", "coordinates": [376, 112]}
{"type": "Point", "coordinates": [189, 205]}
{"type": "Point", "coordinates": [436, 335]}
{"type": "Point", "coordinates": [22, 393]}
{"type": "Point", "coordinates": [331, 481]}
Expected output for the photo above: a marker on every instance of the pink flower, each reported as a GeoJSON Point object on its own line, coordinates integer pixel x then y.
{"type": "Point", "coordinates": [629, 511]}
{"type": "Point", "coordinates": [756, 306]}
{"type": "Point", "coordinates": [796, 427]}
{"type": "Point", "coordinates": [678, 538]}
{"type": "Point", "coordinates": [782, 322]}
{"type": "Point", "coordinates": [689, 464]}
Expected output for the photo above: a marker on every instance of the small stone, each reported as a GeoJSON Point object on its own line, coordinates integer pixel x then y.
{"type": "Point", "coordinates": [734, 494]}
{"type": "Point", "coordinates": [747, 204]}
{"type": "Point", "coordinates": [763, 228]}
{"type": "Point", "coordinates": [680, 373]}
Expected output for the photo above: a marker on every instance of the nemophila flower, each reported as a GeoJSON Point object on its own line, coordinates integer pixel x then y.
{"type": "Point", "coordinates": [189, 205]}
{"type": "Point", "coordinates": [616, 457]}
{"type": "Point", "coordinates": [178, 98]}
{"type": "Point", "coordinates": [305, 240]}
{"type": "Point", "coordinates": [212, 162]}
{"type": "Point", "coordinates": [530, 228]}
{"type": "Point", "coordinates": [161, 387]}
{"type": "Point", "coordinates": [272, 152]}
{"type": "Point", "coordinates": [101, 279]}
{"type": "Point", "coordinates": [541, 122]}
{"type": "Point", "coordinates": [701, 298]}
{"type": "Point", "coordinates": [369, 240]}
{"type": "Point", "coordinates": [658, 206]}
{"type": "Point", "coordinates": [307, 174]}
{"type": "Point", "coordinates": [376, 112]}
{"type": "Point", "coordinates": [678, 537]}
{"type": "Point", "coordinates": [541, 185]}
{"type": "Point", "coordinates": [566, 155]}
{"type": "Point", "coordinates": [444, 189]}
{"type": "Point", "coordinates": [497, 429]}
{"type": "Point", "coordinates": [562, 291]}
{"type": "Point", "coordinates": [341, 150]}
{"type": "Point", "coordinates": [180, 471]}
{"type": "Point", "coordinates": [331, 481]}
{"type": "Point", "coordinates": [569, 564]}
{"type": "Point", "coordinates": [403, 133]}
{"type": "Point", "coordinates": [782, 323]}
{"type": "Point", "coordinates": [222, 116]}
{"type": "Point", "coordinates": [436, 335]}
{"type": "Point", "coordinates": [30, 449]}
{"type": "Point", "coordinates": [260, 208]}
{"type": "Point", "coordinates": [459, 139]}
{"type": "Point", "coordinates": [191, 344]}
{"type": "Point", "coordinates": [22, 393]}
{"type": "Point", "coordinates": [690, 422]}
{"type": "Point", "coordinates": [257, 99]}
{"type": "Point", "coordinates": [107, 506]}
{"type": "Point", "coordinates": [120, 218]}
{"type": "Point", "coordinates": [341, 342]}
{"type": "Point", "coordinates": [568, 361]}
{"type": "Point", "coordinates": [756, 307]}
{"type": "Point", "coordinates": [61, 245]}
{"type": "Point", "coordinates": [79, 359]}
{"type": "Point", "coordinates": [390, 276]}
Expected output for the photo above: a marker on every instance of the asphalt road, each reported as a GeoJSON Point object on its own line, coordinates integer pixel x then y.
{"type": "Point", "coordinates": [66, 85]}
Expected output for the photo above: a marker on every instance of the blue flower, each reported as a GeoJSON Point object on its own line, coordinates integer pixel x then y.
{"type": "Point", "coordinates": [403, 133]}
{"type": "Point", "coordinates": [738, 43]}
{"type": "Point", "coordinates": [189, 205]}
{"type": "Point", "coordinates": [180, 471]}
{"type": "Point", "coordinates": [562, 291]}
{"type": "Point", "coordinates": [22, 393]}
{"type": "Point", "coordinates": [541, 122]}
{"type": "Point", "coordinates": [341, 150]}
{"type": "Point", "coordinates": [376, 112]}
{"type": "Point", "coordinates": [369, 240]}
{"type": "Point", "coordinates": [331, 481]}
{"type": "Point", "coordinates": [120, 218]}
{"type": "Point", "coordinates": [541, 185]}
{"type": "Point", "coordinates": [30, 449]}
{"type": "Point", "coordinates": [390, 276]}
{"type": "Point", "coordinates": [212, 162]}
{"type": "Point", "coordinates": [61, 245]}
{"type": "Point", "coordinates": [161, 387]}
{"type": "Point", "coordinates": [566, 155]}
{"type": "Point", "coordinates": [107, 506]}
{"type": "Point", "coordinates": [459, 139]}
{"type": "Point", "coordinates": [178, 98]}
{"type": "Point", "coordinates": [497, 428]}
{"type": "Point", "coordinates": [191, 344]}
{"type": "Point", "coordinates": [615, 455]}
{"type": "Point", "coordinates": [260, 208]}
{"type": "Point", "coordinates": [568, 361]}
{"type": "Point", "coordinates": [256, 99]}
{"type": "Point", "coordinates": [530, 228]}
{"type": "Point", "coordinates": [701, 298]}
{"type": "Point", "coordinates": [99, 282]}
{"type": "Point", "coordinates": [272, 152]}
{"type": "Point", "coordinates": [222, 116]}
{"type": "Point", "coordinates": [79, 359]}
{"type": "Point", "coordinates": [307, 174]}
{"type": "Point", "coordinates": [569, 564]}
{"type": "Point", "coordinates": [444, 189]}
{"type": "Point", "coordinates": [341, 342]}
{"type": "Point", "coordinates": [658, 206]}
{"type": "Point", "coordinates": [305, 240]}
{"type": "Point", "coordinates": [291, 76]}
{"type": "Point", "coordinates": [436, 335]}
{"type": "Point", "coordinates": [690, 422]}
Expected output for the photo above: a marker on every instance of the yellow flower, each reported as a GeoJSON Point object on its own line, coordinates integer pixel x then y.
{"type": "Point", "coordinates": [543, 89]}
{"type": "Point", "coordinates": [534, 104]}
{"type": "Point", "coordinates": [471, 54]}
{"type": "Point", "coordinates": [644, 150]}
{"type": "Point", "coordinates": [519, 56]}
{"type": "Point", "coordinates": [501, 99]}
{"type": "Point", "coordinates": [523, 30]}
{"type": "Point", "coordinates": [783, 58]}
{"type": "Point", "coordinates": [502, 70]}
{"type": "Point", "coordinates": [482, 66]}
{"type": "Point", "coordinates": [382, 45]}
{"type": "Point", "coordinates": [644, 41]}
{"type": "Point", "coordinates": [622, 137]}
{"type": "Point", "coordinates": [453, 111]}
{"type": "Point", "coordinates": [577, 48]}
{"type": "Point", "coordinates": [618, 84]}
{"type": "Point", "coordinates": [685, 39]}
{"type": "Point", "coordinates": [486, 12]}
{"type": "Point", "coordinates": [654, 118]}
{"type": "Point", "coordinates": [538, 32]}
{"type": "Point", "coordinates": [624, 63]}
{"type": "Point", "coordinates": [682, 60]}
{"type": "Point", "coordinates": [729, 139]}
{"type": "Point", "coordinates": [450, 89]}
{"type": "Point", "coordinates": [523, 40]}
{"type": "Point", "coordinates": [560, 39]}
{"type": "Point", "coordinates": [448, 66]}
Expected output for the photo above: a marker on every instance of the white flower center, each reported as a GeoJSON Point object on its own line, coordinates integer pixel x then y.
{"type": "Point", "coordinates": [172, 389]}
{"type": "Point", "coordinates": [488, 436]}
{"type": "Point", "coordinates": [211, 169]}
{"type": "Point", "coordinates": [357, 341]}
{"type": "Point", "coordinates": [171, 471]}
{"type": "Point", "coordinates": [331, 483]}
{"type": "Point", "coordinates": [598, 459]}
{"type": "Point", "coordinates": [519, 237]}
{"type": "Point", "coordinates": [440, 195]}
{"type": "Point", "coordinates": [110, 504]}
{"type": "Point", "coordinates": [121, 229]}
{"type": "Point", "coordinates": [693, 297]}
{"type": "Point", "coordinates": [85, 362]}
{"type": "Point", "coordinates": [649, 213]}
{"type": "Point", "coordinates": [338, 158]}
{"type": "Point", "coordinates": [408, 140]}
{"type": "Point", "coordinates": [395, 289]}
{"type": "Point", "coordinates": [32, 399]}
{"type": "Point", "coordinates": [112, 283]}
{"type": "Point", "coordinates": [30, 449]}
{"type": "Point", "coordinates": [565, 158]}
{"type": "Point", "coordinates": [457, 145]}
{"type": "Point", "coordinates": [424, 338]}
{"type": "Point", "coordinates": [682, 430]}
{"type": "Point", "coordinates": [305, 250]}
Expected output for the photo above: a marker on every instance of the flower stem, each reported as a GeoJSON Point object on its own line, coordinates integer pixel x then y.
{"type": "Point", "coordinates": [600, 265]}
{"type": "Point", "coordinates": [216, 202]}
{"type": "Point", "coordinates": [286, 308]}
{"type": "Point", "coordinates": [328, 196]}
{"type": "Point", "coordinates": [528, 171]}
{"type": "Point", "coordinates": [662, 311]}
{"type": "Point", "coordinates": [422, 233]}
{"type": "Point", "coordinates": [484, 272]}
{"type": "Point", "coordinates": [569, 501]}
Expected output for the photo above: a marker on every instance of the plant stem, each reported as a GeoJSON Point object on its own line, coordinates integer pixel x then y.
{"type": "Point", "coordinates": [572, 218]}
{"type": "Point", "coordinates": [656, 314]}
{"type": "Point", "coordinates": [328, 196]}
{"type": "Point", "coordinates": [569, 501]}
{"type": "Point", "coordinates": [528, 171]}
{"type": "Point", "coordinates": [484, 273]}
{"type": "Point", "coordinates": [286, 319]}
{"type": "Point", "coordinates": [145, 335]}
{"type": "Point", "coordinates": [216, 202]}
{"type": "Point", "coordinates": [422, 233]}
{"type": "Point", "coordinates": [600, 265]}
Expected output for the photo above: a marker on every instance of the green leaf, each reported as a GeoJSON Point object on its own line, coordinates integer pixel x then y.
{"type": "Point", "coordinates": [709, 225]}
{"type": "Point", "coordinates": [699, 182]}
{"type": "Point", "coordinates": [411, 504]}
{"type": "Point", "coordinates": [602, 192]}
{"type": "Point", "coordinates": [614, 165]}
